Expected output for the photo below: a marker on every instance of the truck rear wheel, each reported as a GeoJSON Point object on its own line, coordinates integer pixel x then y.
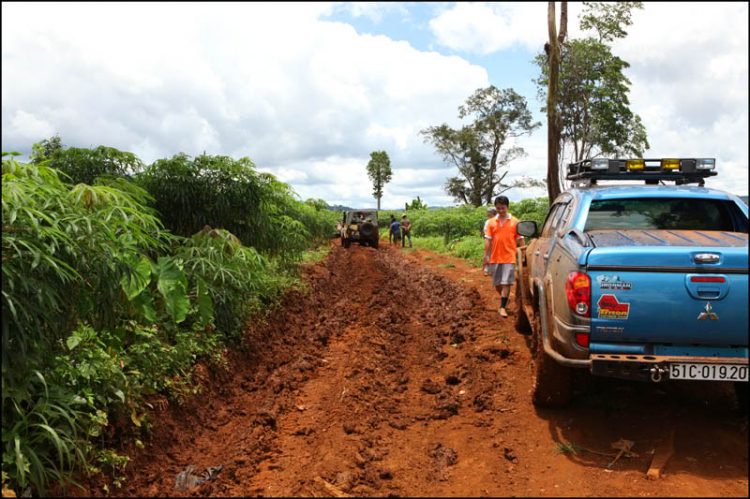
{"type": "Point", "coordinates": [375, 243]}
{"type": "Point", "coordinates": [552, 383]}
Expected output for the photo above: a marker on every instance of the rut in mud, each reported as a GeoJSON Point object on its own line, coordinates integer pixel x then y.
{"type": "Point", "coordinates": [391, 378]}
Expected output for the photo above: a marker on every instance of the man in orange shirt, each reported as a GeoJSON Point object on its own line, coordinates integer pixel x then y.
{"type": "Point", "coordinates": [500, 242]}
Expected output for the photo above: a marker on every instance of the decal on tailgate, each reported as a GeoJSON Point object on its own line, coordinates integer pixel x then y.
{"type": "Point", "coordinates": [613, 282]}
{"type": "Point", "coordinates": [610, 308]}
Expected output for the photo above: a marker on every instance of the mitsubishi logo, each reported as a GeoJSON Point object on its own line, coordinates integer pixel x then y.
{"type": "Point", "coordinates": [708, 313]}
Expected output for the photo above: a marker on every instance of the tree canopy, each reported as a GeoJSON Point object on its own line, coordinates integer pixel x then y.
{"type": "Point", "coordinates": [379, 171]}
{"type": "Point", "coordinates": [592, 101]}
{"type": "Point", "coordinates": [477, 149]}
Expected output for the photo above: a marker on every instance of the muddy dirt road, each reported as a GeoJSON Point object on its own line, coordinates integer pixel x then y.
{"type": "Point", "coordinates": [395, 375]}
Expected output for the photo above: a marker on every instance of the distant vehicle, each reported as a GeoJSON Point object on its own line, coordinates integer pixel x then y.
{"type": "Point", "coordinates": [644, 282]}
{"type": "Point", "coordinates": [359, 226]}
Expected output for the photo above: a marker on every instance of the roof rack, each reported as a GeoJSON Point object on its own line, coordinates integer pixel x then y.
{"type": "Point", "coordinates": [678, 170]}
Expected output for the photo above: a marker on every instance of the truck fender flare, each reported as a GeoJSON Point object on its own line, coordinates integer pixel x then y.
{"type": "Point", "coordinates": [542, 301]}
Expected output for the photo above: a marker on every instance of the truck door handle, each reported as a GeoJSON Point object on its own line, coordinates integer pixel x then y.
{"type": "Point", "coordinates": [706, 258]}
{"type": "Point", "coordinates": [546, 255]}
{"type": "Point", "coordinates": [536, 253]}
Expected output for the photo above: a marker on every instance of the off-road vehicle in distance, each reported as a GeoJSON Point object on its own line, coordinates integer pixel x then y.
{"type": "Point", "coordinates": [359, 226]}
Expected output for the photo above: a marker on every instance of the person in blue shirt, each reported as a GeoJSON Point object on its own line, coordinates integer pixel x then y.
{"type": "Point", "coordinates": [396, 231]}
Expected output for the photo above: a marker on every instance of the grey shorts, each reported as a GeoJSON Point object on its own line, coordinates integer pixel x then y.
{"type": "Point", "coordinates": [502, 273]}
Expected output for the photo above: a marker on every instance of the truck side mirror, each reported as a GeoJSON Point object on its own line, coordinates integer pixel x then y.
{"type": "Point", "coordinates": [527, 228]}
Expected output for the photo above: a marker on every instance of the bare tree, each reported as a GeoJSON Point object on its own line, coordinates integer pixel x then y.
{"type": "Point", "coordinates": [553, 49]}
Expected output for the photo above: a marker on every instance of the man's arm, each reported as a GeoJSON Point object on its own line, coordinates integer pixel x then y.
{"type": "Point", "coordinates": [487, 242]}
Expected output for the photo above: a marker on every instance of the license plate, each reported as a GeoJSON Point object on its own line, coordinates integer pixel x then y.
{"type": "Point", "coordinates": [710, 372]}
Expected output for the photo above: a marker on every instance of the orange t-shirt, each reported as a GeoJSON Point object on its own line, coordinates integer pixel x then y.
{"type": "Point", "coordinates": [504, 237]}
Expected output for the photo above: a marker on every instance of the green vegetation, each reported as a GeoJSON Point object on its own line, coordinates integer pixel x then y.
{"type": "Point", "coordinates": [458, 230]}
{"type": "Point", "coordinates": [117, 278]}
{"type": "Point", "coordinates": [568, 448]}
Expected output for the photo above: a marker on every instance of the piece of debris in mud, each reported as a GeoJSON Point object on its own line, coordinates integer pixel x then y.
{"type": "Point", "coordinates": [304, 431]}
{"type": "Point", "coordinates": [447, 405]}
{"type": "Point", "coordinates": [443, 458]}
{"type": "Point", "coordinates": [624, 447]}
{"type": "Point", "coordinates": [188, 479]}
{"type": "Point", "coordinates": [329, 488]}
{"type": "Point", "coordinates": [431, 387]}
{"type": "Point", "coordinates": [510, 455]}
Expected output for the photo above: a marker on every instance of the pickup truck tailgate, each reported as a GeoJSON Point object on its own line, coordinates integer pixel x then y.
{"type": "Point", "coordinates": [669, 287]}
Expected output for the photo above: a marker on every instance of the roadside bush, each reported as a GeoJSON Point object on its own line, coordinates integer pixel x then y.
{"type": "Point", "coordinates": [461, 221]}
{"type": "Point", "coordinates": [221, 192]}
{"type": "Point", "coordinates": [102, 306]}
{"type": "Point", "coordinates": [83, 166]}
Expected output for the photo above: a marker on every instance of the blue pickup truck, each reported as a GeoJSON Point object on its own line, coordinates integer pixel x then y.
{"type": "Point", "coordinates": [644, 281]}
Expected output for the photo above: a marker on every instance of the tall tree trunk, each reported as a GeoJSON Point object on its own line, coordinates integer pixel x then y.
{"type": "Point", "coordinates": [553, 119]}
{"type": "Point", "coordinates": [378, 204]}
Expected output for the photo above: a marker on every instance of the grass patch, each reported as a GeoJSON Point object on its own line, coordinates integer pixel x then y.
{"type": "Point", "coordinates": [568, 448]}
{"type": "Point", "coordinates": [316, 255]}
{"type": "Point", "coordinates": [469, 248]}
{"type": "Point", "coordinates": [447, 265]}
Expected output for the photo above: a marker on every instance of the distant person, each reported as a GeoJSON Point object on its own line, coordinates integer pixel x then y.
{"type": "Point", "coordinates": [390, 229]}
{"type": "Point", "coordinates": [406, 229]}
{"type": "Point", "coordinates": [491, 213]}
{"type": "Point", "coordinates": [502, 236]}
{"type": "Point", "coordinates": [395, 231]}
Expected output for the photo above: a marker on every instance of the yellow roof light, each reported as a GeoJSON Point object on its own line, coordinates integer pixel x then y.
{"type": "Point", "coordinates": [670, 164]}
{"type": "Point", "coordinates": [635, 164]}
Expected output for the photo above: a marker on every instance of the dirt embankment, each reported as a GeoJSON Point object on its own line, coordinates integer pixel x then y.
{"type": "Point", "coordinates": [396, 376]}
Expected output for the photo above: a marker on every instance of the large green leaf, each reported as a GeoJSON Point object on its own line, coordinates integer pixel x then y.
{"type": "Point", "coordinates": [172, 285]}
{"type": "Point", "coordinates": [205, 307]}
{"type": "Point", "coordinates": [137, 282]}
{"type": "Point", "coordinates": [144, 304]}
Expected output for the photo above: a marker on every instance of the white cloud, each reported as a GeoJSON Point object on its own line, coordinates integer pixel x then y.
{"type": "Point", "coordinates": [484, 28]}
{"type": "Point", "coordinates": [30, 127]}
{"type": "Point", "coordinates": [690, 85]}
{"type": "Point", "coordinates": [375, 11]}
{"type": "Point", "coordinates": [274, 82]}
{"type": "Point", "coordinates": [308, 99]}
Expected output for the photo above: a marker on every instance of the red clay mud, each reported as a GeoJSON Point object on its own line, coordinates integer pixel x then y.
{"type": "Point", "coordinates": [395, 375]}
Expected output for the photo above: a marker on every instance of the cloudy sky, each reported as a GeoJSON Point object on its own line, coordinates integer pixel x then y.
{"type": "Point", "coordinates": [309, 90]}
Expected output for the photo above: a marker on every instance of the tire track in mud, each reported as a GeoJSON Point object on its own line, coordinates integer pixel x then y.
{"type": "Point", "coordinates": [359, 424]}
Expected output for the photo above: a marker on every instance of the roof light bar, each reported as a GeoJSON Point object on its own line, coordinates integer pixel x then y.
{"type": "Point", "coordinates": [678, 170]}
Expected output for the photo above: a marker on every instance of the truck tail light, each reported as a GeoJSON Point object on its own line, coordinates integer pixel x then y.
{"type": "Point", "coordinates": [578, 289]}
{"type": "Point", "coordinates": [582, 339]}
{"type": "Point", "coordinates": [699, 278]}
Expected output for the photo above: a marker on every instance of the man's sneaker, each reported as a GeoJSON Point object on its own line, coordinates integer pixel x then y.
{"type": "Point", "coordinates": [503, 313]}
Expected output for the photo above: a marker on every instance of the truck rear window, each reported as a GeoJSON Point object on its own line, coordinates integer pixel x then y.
{"type": "Point", "coordinates": [666, 214]}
